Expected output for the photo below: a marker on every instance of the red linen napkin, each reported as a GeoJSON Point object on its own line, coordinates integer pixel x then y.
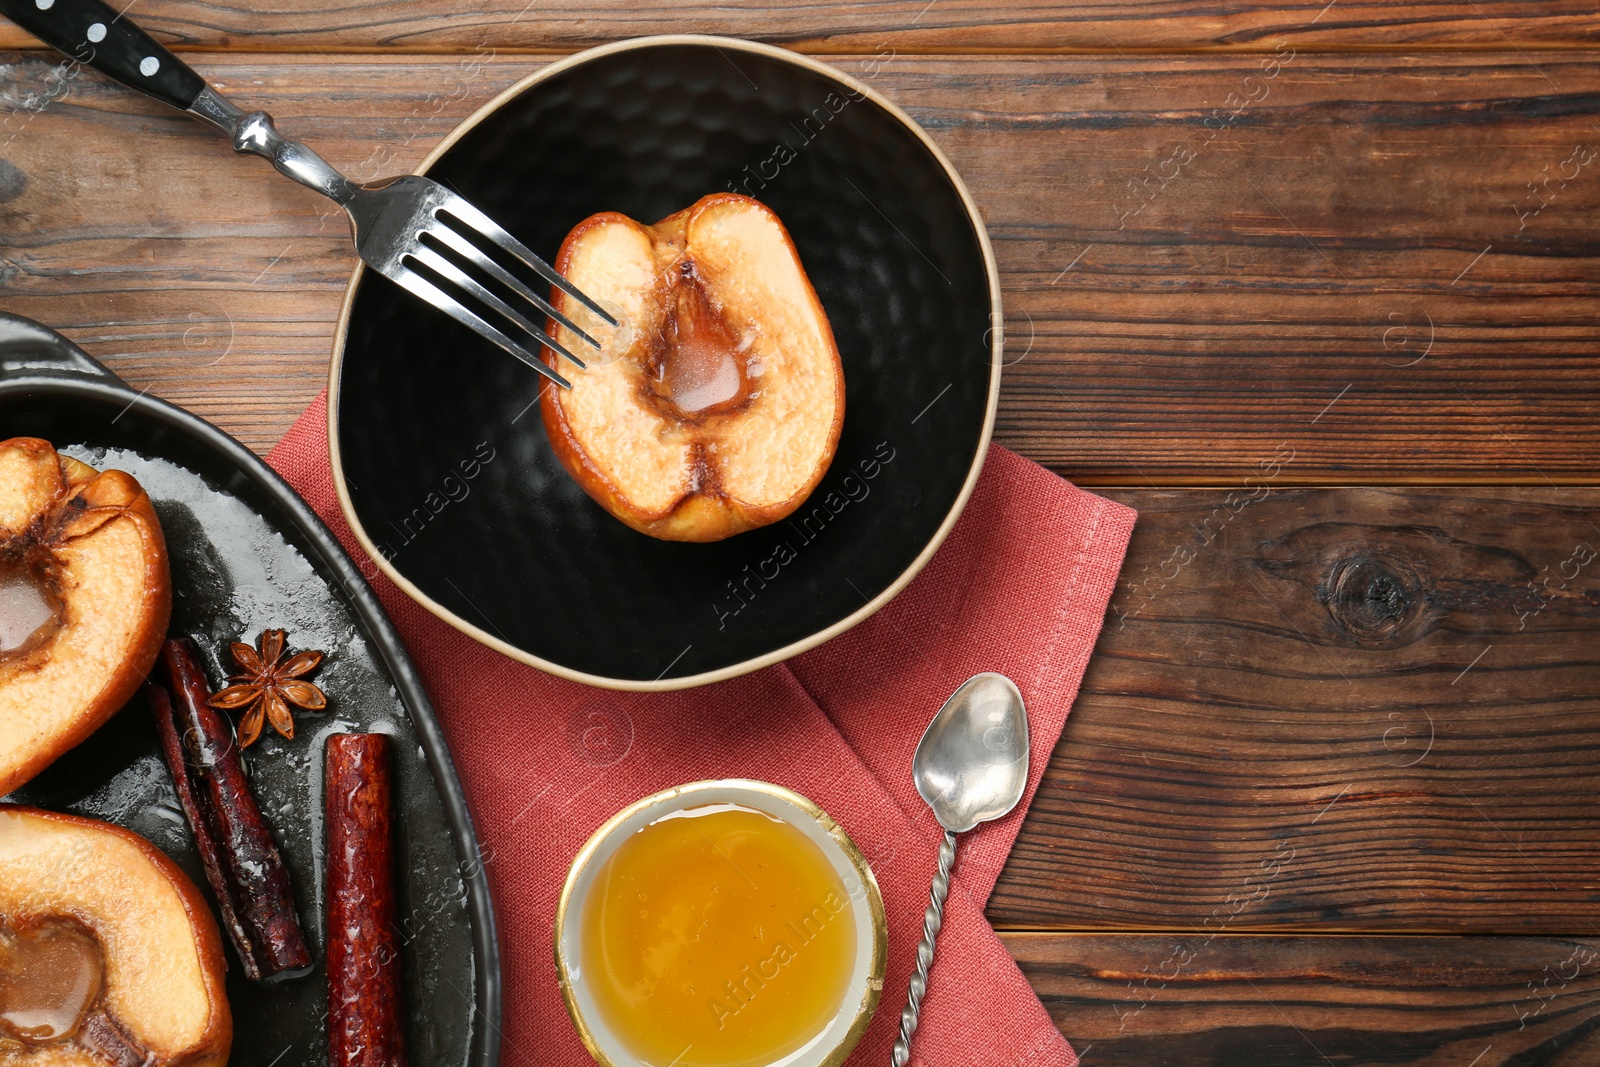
{"type": "Point", "coordinates": [1020, 586]}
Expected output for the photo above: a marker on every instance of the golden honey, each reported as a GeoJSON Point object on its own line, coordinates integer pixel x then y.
{"type": "Point", "coordinates": [717, 936]}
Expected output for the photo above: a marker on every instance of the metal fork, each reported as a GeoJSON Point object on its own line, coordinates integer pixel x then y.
{"type": "Point", "coordinates": [410, 229]}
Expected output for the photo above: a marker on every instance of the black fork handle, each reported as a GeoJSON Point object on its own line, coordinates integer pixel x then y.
{"type": "Point", "coordinates": [95, 33]}
{"type": "Point", "coordinates": [92, 32]}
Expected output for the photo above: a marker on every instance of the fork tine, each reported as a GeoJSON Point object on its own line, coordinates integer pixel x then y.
{"type": "Point", "coordinates": [465, 248]}
{"type": "Point", "coordinates": [491, 229]}
{"type": "Point", "coordinates": [454, 274]}
{"type": "Point", "coordinates": [422, 287]}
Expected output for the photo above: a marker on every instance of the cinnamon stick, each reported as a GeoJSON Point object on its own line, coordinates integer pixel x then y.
{"type": "Point", "coordinates": [205, 843]}
{"type": "Point", "coordinates": [241, 861]}
{"type": "Point", "coordinates": [365, 1023]}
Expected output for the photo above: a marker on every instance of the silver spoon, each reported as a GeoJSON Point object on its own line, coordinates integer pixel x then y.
{"type": "Point", "coordinates": [971, 766]}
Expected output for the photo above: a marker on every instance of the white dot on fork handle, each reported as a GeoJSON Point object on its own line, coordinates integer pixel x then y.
{"type": "Point", "coordinates": [97, 33]}
{"type": "Point", "coordinates": [149, 65]}
{"type": "Point", "coordinates": [44, 5]}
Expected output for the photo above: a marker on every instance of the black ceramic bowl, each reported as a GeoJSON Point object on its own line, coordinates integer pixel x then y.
{"type": "Point", "coordinates": [439, 454]}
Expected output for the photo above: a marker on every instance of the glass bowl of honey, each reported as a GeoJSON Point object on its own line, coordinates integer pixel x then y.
{"type": "Point", "coordinates": [720, 924]}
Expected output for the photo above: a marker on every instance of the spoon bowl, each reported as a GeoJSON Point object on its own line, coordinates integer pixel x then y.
{"type": "Point", "coordinates": [971, 765]}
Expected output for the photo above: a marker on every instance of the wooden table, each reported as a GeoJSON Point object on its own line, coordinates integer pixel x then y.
{"type": "Point", "coordinates": [1312, 287]}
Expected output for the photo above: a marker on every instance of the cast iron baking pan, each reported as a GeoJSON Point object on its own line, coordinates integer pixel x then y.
{"type": "Point", "coordinates": [439, 451]}
{"type": "Point", "coordinates": [247, 553]}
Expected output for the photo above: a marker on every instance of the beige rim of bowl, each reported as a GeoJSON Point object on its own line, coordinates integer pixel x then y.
{"type": "Point", "coordinates": [686, 795]}
{"type": "Point", "coordinates": [796, 647]}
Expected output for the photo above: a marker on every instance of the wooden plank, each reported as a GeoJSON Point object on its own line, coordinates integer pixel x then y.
{"type": "Point", "coordinates": [904, 25]}
{"type": "Point", "coordinates": [1352, 263]}
{"type": "Point", "coordinates": [1131, 1001]}
{"type": "Point", "coordinates": [1340, 266]}
{"type": "Point", "coordinates": [1326, 710]}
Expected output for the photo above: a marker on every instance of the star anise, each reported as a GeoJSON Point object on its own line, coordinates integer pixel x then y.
{"type": "Point", "coordinates": [269, 685]}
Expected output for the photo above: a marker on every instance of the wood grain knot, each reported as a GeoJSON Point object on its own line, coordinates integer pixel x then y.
{"type": "Point", "coordinates": [12, 181]}
{"type": "Point", "coordinates": [1373, 600]}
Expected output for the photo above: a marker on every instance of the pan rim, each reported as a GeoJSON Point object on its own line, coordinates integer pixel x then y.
{"type": "Point", "coordinates": [793, 648]}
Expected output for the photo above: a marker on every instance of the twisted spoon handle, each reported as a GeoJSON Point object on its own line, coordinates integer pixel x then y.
{"type": "Point", "coordinates": [932, 919]}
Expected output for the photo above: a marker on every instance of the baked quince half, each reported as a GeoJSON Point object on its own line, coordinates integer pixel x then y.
{"type": "Point", "coordinates": [715, 406]}
{"type": "Point", "coordinates": [109, 956]}
{"type": "Point", "coordinates": [85, 596]}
